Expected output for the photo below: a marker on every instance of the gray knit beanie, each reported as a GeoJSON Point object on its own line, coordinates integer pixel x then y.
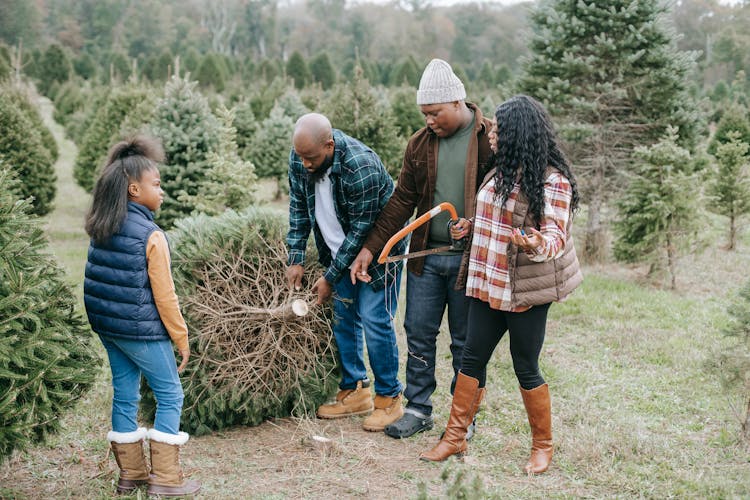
{"type": "Point", "coordinates": [439, 84]}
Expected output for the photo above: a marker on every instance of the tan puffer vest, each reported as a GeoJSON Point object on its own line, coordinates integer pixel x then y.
{"type": "Point", "coordinates": [535, 283]}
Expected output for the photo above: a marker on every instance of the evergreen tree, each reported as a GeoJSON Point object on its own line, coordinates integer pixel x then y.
{"type": "Point", "coordinates": [405, 111]}
{"type": "Point", "coordinates": [84, 66]}
{"type": "Point", "coordinates": [405, 73]}
{"type": "Point", "coordinates": [734, 120]}
{"type": "Point", "coordinates": [117, 67]}
{"type": "Point", "coordinates": [245, 125]}
{"type": "Point", "coordinates": [730, 188]}
{"type": "Point", "coordinates": [297, 70]}
{"type": "Point", "coordinates": [269, 148]}
{"type": "Point", "coordinates": [54, 67]}
{"type": "Point", "coordinates": [47, 361]}
{"type": "Point", "coordinates": [291, 104]}
{"type": "Point", "coordinates": [106, 128]}
{"type": "Point", "coordinates": [22, 100]}
{"type": "Point", "coordinates": [734, 361]}
{"type": "Point", "coordinates": [189, 131]}
{"type": "Point", "coordinates": [611, 72]}
{"type": "Point", "coordinates": [158, 67]}
{"type": "Point", "coordinates": [322, 71]}
{"type": "Point", "coordinates": [353, 109]}
{"type": "Point", "coordinates": [230, 180]}
{"type": "Point", "coordinates": [658, 211]}
{"type": "Point", "coordinates": [21, 149]}
{"type": "Point", "coordinates": [211, 73]}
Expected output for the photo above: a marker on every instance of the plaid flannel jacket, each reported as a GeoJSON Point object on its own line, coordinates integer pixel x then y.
{"type": "Point", "coordinates": [361, 187]}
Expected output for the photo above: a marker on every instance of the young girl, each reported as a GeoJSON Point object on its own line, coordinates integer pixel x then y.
{"type": "Point", "coordinates": [131, 303]}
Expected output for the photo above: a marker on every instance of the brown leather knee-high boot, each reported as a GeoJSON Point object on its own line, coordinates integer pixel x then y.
{"type": "Point", "coordinates": [467, 397]}
{"type": "Point", "coordinates": [538, 408]}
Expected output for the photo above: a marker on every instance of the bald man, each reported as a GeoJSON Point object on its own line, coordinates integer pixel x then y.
{"type": "Point", "coordinates": [337, 188]}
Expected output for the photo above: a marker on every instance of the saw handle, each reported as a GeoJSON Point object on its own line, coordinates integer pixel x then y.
{"type": "Point", "coordinates": [415, 224]}
{"type": "Point", "coordinates": [459, 244]}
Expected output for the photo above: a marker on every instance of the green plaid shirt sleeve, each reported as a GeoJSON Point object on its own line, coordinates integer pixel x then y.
{"type": "Point", "coordinates": [299, 220]}
{"type": "Point", "coordinates": [362, 183]}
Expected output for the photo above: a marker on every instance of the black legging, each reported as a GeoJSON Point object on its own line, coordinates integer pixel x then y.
{"type": "Point", "coordinates": [487, 326]}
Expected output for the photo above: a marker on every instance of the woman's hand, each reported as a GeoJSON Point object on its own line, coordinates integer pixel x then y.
{"type": "Point", "coordinates": [527, 241]}
{"type": "Point", "coordinates": [460, 229]}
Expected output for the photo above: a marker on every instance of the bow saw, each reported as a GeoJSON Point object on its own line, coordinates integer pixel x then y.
{"type": "Point", "coordinates": [457, 245]}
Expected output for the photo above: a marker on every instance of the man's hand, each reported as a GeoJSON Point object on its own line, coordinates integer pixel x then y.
{"type": "Point", "coordinates": [294, 275]}
{"type": "Point", "coordinates": [323, 289]}
{"type": "Point", "coordinates": [460, 229]}
{"type": "Point", "coordinates": [185, 355]}
{"type": "Point", "coordinates": [359, 267]}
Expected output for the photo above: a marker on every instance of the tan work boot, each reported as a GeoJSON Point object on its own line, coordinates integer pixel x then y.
{"type": "Point", "coordinates": [128, 450]}
{"type": "Point", "coordinates": [166, 478]}
{"type": "Point", "coordinates": [387, 411]}
{"type": "Point", "coordinates": [349, 402]}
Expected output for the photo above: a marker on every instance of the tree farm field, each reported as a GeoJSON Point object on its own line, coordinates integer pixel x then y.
{"type": "Point", "coordinates": [638, 409]}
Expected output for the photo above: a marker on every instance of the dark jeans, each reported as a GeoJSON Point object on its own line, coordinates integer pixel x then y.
{"type": "Point", "coordinates": [487, 326]}
{"type": "Point", "coordinates": [426, 298]}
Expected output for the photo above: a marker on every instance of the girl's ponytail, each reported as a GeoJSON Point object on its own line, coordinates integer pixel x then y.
{"type": "Point", "coordinates": [126, 161]}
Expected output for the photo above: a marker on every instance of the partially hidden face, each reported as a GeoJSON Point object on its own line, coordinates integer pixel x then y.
{"type": "Point", "coordinates": [147, 191]}
{"type": "Point", "coordinates": [312, 153]}
{"type": "Point", "coordinates": [444, 119]}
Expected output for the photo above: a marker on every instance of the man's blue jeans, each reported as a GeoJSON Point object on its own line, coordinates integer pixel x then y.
{"type": "Point", "coordinates": [155, 359]}
{"type": "Point", "coordinates": [426, 298]}
{"type": "Point", "coordinates": [359, 308]}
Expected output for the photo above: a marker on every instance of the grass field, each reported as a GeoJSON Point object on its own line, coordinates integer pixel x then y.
{"type": "Point", "coordinates": [637, 410]}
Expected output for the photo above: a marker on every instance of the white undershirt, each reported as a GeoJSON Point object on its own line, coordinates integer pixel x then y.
{"type": "Point", "coordinates": [325, 215]}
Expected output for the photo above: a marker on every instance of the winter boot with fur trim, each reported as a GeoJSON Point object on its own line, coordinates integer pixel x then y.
{"type": "Point", "coordinates": [166, 478]}
{"type": "Point", "coordinates": [128, 450]}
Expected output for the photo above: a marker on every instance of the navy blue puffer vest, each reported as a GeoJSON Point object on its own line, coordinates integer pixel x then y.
{"type": "Point", "coordinates": [116, 290]}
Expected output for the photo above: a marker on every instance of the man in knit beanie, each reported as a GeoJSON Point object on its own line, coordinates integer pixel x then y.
{"type": "Point", "coordinates": [444, 161]}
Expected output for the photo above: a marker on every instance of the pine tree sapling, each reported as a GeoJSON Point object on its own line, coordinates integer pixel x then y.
{"type": "Point", "coordinates": [230, 180]}
{"type": "Point", "coordinates": [269, 148]}
{"type": "Point", "coordinates": [659, 207]}
{"type": "Point", "coordinates": [735, 120]}
{"type": "Point", "coordinates": [729, 190]}
{"type": "Point", "coordinates": [22, 150]}
{"type": "Point", "coordinates": [188, 131]}
{"type": "Point", "coordinates": [353, 108]}
{"type": "Point", "coordinates": [612, 75]}
{"type": "Point", "coordinates": [735, 359]}
{"type": "Point", "coordinates": [106, 128]}
{"type": "Point", "coordinates": [47, 360]}
{"type": "Point", "coordinates": [253, 360]}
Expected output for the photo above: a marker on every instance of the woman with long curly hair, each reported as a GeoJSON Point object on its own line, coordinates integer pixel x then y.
{"type": "Point", "coordinates": [521, 260]}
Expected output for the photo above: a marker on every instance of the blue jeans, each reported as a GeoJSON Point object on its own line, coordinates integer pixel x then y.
{"type": "Point", "coordinates": [426, 298]}
{"type": "Point", "coordinates": [155, 359]}
{"type": "Point", "coordinates": [357, 308]}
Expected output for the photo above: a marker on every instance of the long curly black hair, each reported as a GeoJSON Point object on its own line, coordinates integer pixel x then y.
{"type": "Point", "coordinates": [527, 142]}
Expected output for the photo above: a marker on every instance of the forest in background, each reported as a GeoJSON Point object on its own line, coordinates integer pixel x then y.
{"type": "Point", "coordinates": [483, 41]}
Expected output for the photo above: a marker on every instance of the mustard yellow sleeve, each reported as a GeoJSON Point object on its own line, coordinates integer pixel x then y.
{"type": "Point", "coordinates": [162, 286]}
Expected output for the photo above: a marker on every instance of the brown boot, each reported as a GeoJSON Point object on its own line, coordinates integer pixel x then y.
{"type": "Point", "coordinates": [538, 409]}
{"type": "Point", "coordinates": [128, 450]}
{"type": "Point", "coordinates": [387, 411]}
{"type": "Point", "coordinates": [166, 478]}
{"type": "Point", "coordinates": [349, 402]}
{"type": "Point", "coordinates": [467, 396]}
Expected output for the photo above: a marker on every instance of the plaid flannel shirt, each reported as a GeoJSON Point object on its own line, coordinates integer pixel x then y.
{"type": "Point", "coordinates": [488, 278]}
{"type": "Point", "coordinates": [361, 187]}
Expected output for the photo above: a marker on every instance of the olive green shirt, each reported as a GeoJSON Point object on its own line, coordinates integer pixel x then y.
{"type": "Point", "coordinates": [449, 185]}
